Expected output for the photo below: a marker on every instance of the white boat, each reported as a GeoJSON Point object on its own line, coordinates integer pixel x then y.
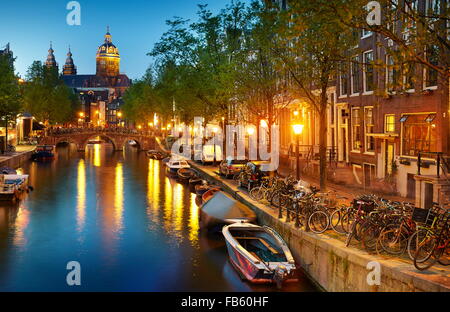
{"type": "Point", "coordinates": [174, 165]}
{"type": "Point", "coordinates": [12, 186]}
{"type": "Point", "coordinates": [259, 254]}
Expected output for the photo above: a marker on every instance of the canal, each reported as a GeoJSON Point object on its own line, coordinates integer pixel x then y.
{"type": "Point", "coordinates": [129, 226]}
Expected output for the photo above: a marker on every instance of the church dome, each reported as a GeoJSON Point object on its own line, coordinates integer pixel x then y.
{"type": "Point", "coordinates": [108, 48]}
{"type": "Point", "coordinates": [108, 58]}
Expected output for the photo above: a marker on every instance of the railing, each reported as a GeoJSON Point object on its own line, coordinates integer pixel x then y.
{"type": "Point", "coordinates": [65, 131]}
{"type": "Point", "coordinates": [311, 152]}
{"type": "Point", "coordinates": [441, 160]}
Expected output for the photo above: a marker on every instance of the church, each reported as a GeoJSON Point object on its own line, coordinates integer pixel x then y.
{"type": "Point", "coordinates": [100, 94]}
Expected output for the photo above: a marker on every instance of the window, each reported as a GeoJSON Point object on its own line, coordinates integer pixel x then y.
{"type": "Point", "coordinates": [356, 129]}
{"type": "Point", "coordinates": [368, 71]}
{"type": "Point", "coordinates": [431, 75]}
{"type": "Point", "coordinates": [369, 124]}
{"type": "Point", "coordinates": [391, 74]}
{"type": "Point", "coordinates": [408, 72]}
{"type": "Point", "coordinates": [343, 81]}
{"type": "Point", "coordinates": [355, 75]}
{"type": "Point", "coordinates": [418, 135]}
{"type": "Point", "coordinates": [389, 123]}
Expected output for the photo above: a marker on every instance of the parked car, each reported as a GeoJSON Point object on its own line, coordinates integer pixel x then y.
{"type": "Point", "coordinates": [229, 168]}
{"type": "Point", "coordinates": [254, 174]}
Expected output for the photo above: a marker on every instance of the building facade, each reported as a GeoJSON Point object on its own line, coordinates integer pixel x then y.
{"type": "Point", "coordinates": [96, 91]}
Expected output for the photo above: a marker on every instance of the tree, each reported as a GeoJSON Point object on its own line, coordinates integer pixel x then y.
{"type": "Point", "coordinates": [46, 96]}
{"type": "Point", "coordinates": [313, 61]}
{"type": "Point", "coordinates": [418, 30]}
{"type": "Point", "coordinates": [10, 96]}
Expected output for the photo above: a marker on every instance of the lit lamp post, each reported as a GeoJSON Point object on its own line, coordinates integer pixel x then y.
{"type": "Point", "coordinates": [214, 143]}
{"type": "Point", "coordinates": [298, 130]}
{"type": "Point", "coordinates": [119, 114]}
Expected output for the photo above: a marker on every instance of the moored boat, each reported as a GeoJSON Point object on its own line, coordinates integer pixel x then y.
{"type": "Point", "coordinates": [185, 174]}
{"type": "Point", "coordinates": [174, 165]}
{"type": "Point", "coordinates": [259, 254]}
{"type": "Point", "coordinates": [12, 186]}
{"type": "Point", "coordinates": [222, 209]}
{"type": "Point", "coordinates": [210, 193]}
{"type": "Point", "coordinates": [157, 155]}
{"type": "Point", "coordinates": [44, 153]}
{"type": "Point", "coordinates": [193, 182]}
{"type": "Point", "coordinates": [201, 189]}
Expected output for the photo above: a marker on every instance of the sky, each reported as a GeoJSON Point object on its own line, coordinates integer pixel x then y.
{"type": "Point", "coordinates": [135, 26]}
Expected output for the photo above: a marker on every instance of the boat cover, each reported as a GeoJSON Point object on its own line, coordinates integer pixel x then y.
{"type": "Point", "coordinates": [222, 207]}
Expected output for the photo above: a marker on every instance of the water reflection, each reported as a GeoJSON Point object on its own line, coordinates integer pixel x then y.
{"type": "Point", "coordinates": [81, 197]}
{"type": "Point", "coordinates": [118, 197]}
{"type": "Point", "coordinates": [121, 217]}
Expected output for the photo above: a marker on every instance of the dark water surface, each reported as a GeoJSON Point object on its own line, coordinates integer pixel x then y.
{"type": "Point", "coordinates": [129, 226]}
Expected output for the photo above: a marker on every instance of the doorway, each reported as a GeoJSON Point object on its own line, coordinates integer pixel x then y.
{"type": "Point", "coordinates": [389, 158]}
{"type": "Point", "coordinates": [411, 186]}
{"type": "Point", "coordinates": [428, 199]}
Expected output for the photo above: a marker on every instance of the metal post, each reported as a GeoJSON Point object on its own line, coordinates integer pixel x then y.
{"type": "Point", "coordinates": [297, 218]}
{"type": "Point", "coordinates": [298, 157]}
{"type": "Point", "coordinates": [419, 160]}
{"type": "Point", "coordinates": [214, 142]}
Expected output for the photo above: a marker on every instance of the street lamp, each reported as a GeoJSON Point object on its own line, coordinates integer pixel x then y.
{"type": "Point", "coordinates": [214, 143]}
{"type": "Point", "coordinates": [298, 130]}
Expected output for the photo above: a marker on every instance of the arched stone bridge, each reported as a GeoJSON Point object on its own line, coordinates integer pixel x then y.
{"type": "Point", "coordinates": [145, 141]}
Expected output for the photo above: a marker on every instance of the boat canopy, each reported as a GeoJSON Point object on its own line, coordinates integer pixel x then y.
{"type": "Point", "coordinates": [222, 207]}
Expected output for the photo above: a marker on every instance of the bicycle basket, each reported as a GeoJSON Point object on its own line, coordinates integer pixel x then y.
{"type": "Point", "coordinates": [421, 215]}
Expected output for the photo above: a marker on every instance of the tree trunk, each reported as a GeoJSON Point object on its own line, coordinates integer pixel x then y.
{"type": "Point", "coordinates": [323, 140]}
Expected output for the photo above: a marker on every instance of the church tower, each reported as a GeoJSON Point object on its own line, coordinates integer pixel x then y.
{"type": "Point", "coordinates": [51, 61]}
{"type": "Point", "coordinates": [69, 68]}
{"type": "Point", "coordinates": [108, 58]}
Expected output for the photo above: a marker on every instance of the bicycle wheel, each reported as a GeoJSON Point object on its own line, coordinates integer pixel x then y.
{"type": "Point", "coordinates": [318, 222]}
{"type": "Point", "coordinates": [350, 235]}
{"type": "Point", "coordinates": [335, 222]}
{"type": "Point", "coordinates": [393, 241]}
{"type": "Point", "coordinates": [415, 241]}
{"type": "Point", "coordinates": [369, 235]}
{"type": "Point", "coordinates": [427, 254]}
{"type": "Point", "coordinates": [444, 259]}
{"type": "Point", "coordinates": [256, 193]}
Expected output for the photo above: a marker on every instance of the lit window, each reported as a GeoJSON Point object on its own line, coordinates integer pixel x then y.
{"type": "Point", "coordinates": [356, 129]}
{"type": "Point", "coordinates": [369, 124]}
{"type": "Point", "coordinates": [389, 123]}
{"type": "Point", "coordinates": [418, 135]}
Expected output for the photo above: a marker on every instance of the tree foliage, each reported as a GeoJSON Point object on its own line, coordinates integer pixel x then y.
{"type": "Point", "coordinates": [10, 96]}
{"type": "Point", "coordinates": [46, 96]}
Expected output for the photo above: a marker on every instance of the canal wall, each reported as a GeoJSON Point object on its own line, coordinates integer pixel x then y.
{"type": "Point", "coordinates": [329, 263]}
{"type": "Point", "coordinates": [16, 161]}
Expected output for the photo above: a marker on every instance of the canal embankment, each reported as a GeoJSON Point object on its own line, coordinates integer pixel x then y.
{"type": "Point", "coordinates": [329, 263]}
{"type": "Point", "coordinates": [16, 159]}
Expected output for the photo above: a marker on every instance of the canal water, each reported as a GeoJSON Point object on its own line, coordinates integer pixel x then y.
{"type": "Point", "coordinates": [129, 226]}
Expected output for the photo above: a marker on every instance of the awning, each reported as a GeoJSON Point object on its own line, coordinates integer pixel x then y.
{"type": "Point", "coordinates": [38, 126]}
{"type": "Point", "coordinates": [383, 135]}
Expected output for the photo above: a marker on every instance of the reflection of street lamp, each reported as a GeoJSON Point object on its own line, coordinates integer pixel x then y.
{"type": "Point", "coordinates": [214, 142]}
{"type": "Point", "coordinates": [298, 130]}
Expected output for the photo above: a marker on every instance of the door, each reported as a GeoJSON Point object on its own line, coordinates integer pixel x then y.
{"type": "Point", "coordinates": [411, 186]}
{"type": "Point", "coordinates": [343, 146]}
{"type": "Point", "coordinates": [428, 200]}
{"type": "Point", "coordinates": [389, 158]}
